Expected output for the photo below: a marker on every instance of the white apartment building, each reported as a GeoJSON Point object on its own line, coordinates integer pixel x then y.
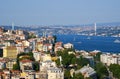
{"type": "Point", "coordinates": [118, 59]}
{"type": "Point", "coordinates": [45, 57]}
{"type": "Point", "coordinates": [51, 70]}
{"type": "Point", "coordinates": [109, 59]}
{"type": "Point", "coordinates": [55, 73]}
{"type": "Point", "coordinates": [37, 56]}
{"type": "Point", "coordinates": [68, 45]}
{"type": "Point", "coordinates": [47, 64]}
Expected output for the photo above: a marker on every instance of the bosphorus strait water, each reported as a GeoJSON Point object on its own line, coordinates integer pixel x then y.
{"type": "Point", "coordinates": [90, 43]}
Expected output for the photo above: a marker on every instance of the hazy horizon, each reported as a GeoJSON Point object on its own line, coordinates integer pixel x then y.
{"type": "Point", "coordinates": [58, 12]}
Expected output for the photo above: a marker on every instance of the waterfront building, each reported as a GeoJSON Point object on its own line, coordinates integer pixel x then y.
{"type": "Point", "coordinates": [68, 46]}
{"type": "Point", "coordinates": [109, 59]}
{"type": "Point", "coordinates": [118, 59]}
{"type": "Point", "coordinates": [103, 58]}
{"type": "Point", "coordinates": [58, 46]}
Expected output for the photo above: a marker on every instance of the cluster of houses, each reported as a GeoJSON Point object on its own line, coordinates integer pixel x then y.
{"type": "Point", "coordinates": [109, 59]}
{"type": "Point", "coordinates": [14, 42]}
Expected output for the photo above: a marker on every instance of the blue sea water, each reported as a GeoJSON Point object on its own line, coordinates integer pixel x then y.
{"type": "Point", "coordinates": [90, 43]}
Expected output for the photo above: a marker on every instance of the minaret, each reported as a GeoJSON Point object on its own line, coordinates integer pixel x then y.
{"type": "Point", "coordinates": [12, 26]}
{"type": "Point", "coordinates": [95, 28]}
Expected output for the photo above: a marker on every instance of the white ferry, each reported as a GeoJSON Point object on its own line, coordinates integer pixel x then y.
{"type": "Point", "coordinates": [117, 41]}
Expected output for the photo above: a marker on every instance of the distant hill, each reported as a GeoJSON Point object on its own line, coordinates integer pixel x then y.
{"type": "Point", "coordinates": [104, 24]}
{"type": "Point", "coordinates": [109, 24]}
{"type": "Point", "coordinates": [98, 24]}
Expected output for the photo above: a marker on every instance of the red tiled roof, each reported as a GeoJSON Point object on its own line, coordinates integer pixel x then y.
{"type": "Point", "coordinates": [15, 71]}
{"type": "Point", "coordinates": [2, 60]}
{"type": "Point", "coordinates": [1, 73]}
{"type": "Point", "coordinates": [26, 60]}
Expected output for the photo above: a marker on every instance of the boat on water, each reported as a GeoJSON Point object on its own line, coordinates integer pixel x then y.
{"type": "Point", "coordinates": [117, 41]}
{"type": "Point", "coordinates": [88, 38]}
{"type": "Point", "coordinates": [74, 39]}
{"type": "Point", "coordinates": [96, 51]}
{"type": "Point", "coordinates": [79, 42]}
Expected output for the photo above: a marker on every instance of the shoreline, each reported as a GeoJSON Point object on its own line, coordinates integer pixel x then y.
{"type": "Point", "coordinates": [81, 42]}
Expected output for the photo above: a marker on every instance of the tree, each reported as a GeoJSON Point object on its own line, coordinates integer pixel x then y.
{"type": "Point", "coordinates": [31, 56]}
{"type": "Point", "coordinates": [101, 70]}
{"type": "Point", "coordinates": [67, 74]}
{"type": "Point", "coordinates": [73, 60]}
{"type": "Point", "coordinates": [27, 56]}
{"type": "Point", "coordinates": [78, 76]}
{"type": "Point", "coordinates": [67, 59]}
{"type": "Point", "coordinates": [88, 78]}
{"type": "Point", "coordinates": [82, 61]}
{"type": "Point", "coordinates": [58, 62]}
{"type": "Point", "coordinates": [59, 53]}
{"type": "Point", "coordinates": [97, 57]}
{"type": "Point", "coordinates": [36, 66]}
{"type": "Point", "coordinates": [115, 69]}
{"type": "Point", "coordinates": [16, 67]}
{"type": "Point", "coordinates": [1, 52]}
{"type": "Point", "coordinates": [31, 36]}
{"type": "Point", "coordinates": [55, 38]}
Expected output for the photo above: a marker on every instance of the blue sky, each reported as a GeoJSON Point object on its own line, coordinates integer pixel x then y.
{"type": "Point", "coordinates": [58, 12]}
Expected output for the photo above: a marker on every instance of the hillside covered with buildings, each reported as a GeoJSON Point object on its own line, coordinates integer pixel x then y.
{"type": "Point", "coordinates": [25, 55]}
